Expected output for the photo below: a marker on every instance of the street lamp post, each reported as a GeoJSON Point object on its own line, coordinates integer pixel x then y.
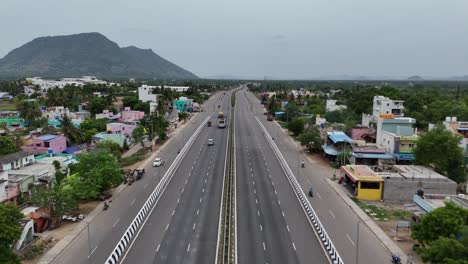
{"type": "Point", "coordinates": [357, 242]}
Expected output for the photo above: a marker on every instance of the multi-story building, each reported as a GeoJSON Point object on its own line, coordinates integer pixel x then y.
{"type": "Point", "coordinates": [332, 106]}
{"type": "Point", "coordinates": [384, 105]}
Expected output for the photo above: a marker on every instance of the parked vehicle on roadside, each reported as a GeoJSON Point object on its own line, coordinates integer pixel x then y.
{"type": "Point", "coordinates": [209, 123]}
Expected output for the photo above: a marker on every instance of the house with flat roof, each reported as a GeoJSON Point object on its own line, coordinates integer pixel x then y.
{"type": "Point", "coordinates": [42, 144]}
{"type": "Point", "coordinates": [403, 181]}
{"type": "Point", "coordinates": [120, 128]}
{"type": "Point", "coordinates": [369, 155]}
{"type": "Point", "coordinates": [8, 192]}
{"type": "Point", "coordinates": [363, 182]}
{"type": "Point", "coordinates": [129, 115]}
{"type": "Point", "coordinates": [106, 114]}
{"type": "Point", "coordinates": [116, 138]}
{"type": "Point", "coordinates": [16, 160]}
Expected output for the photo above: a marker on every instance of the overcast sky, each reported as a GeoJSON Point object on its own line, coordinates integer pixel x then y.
{"type": "Point", "coordinates": [257, 38]}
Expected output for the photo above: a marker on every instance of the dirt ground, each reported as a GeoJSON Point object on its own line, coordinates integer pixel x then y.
{"type": "Point", "coordinates": [403, 239]}
{"type": "Point", "coordinates": [64, 229]}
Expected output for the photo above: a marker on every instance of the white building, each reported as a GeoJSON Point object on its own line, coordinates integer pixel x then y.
{"type": "Point", "coordinates": [48, 84]}
{"type": "Point", "coordinates": [384, 105]}
{"type": "Point", "coordinates": [332, 106]}
{"type": "Point", "coordinates": [55, 112]}
{"type": "Point", "coordinates": [145, 93]}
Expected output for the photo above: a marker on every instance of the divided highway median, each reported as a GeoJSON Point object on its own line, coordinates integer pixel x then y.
{"type": "Point", "coordinates": [226, 251]}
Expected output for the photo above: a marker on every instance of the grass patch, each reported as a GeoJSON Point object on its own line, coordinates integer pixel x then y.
{"type": "Point", "coordinates": [383, 214]}
{"type": "Point", "coordinates": [136, 157]}
{"type": "Point", "coordinates": [7, 106]}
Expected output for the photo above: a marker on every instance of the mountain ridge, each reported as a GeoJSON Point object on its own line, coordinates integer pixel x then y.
{"type": "Point", "coordinates": [87, 54]}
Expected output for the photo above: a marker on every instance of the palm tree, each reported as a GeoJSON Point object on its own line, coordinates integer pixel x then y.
{"type": "Point", "coordinates": [71, 132]}
{"type": "Point", "coordinates": [29, 111]}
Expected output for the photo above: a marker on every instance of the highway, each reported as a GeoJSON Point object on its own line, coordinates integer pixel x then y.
{"type": "Point", "coordinates": [339, 220]}
{"type": "Point", "coordinates": [271, 225]}
{"type": "Point", "coordinates": [97, 240]}
{"type": "Point", "coordinates": [183, 227]}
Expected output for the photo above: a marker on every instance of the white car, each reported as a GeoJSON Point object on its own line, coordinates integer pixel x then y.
{"type": "Point", "coordinates": [210, 142]}
{"type": "Point", "coordinates": [157, 162]}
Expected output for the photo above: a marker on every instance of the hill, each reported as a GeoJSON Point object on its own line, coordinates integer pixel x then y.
{"type": "Point", "coordinates": [87, 54]}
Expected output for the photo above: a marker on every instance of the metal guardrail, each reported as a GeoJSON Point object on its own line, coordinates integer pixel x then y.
{"type": "Point", "coordinates": [226, 252]}
{"type": "Point", "coordinates": [314, 221]}
{"type": "Point", "coordinates": [148, 206]}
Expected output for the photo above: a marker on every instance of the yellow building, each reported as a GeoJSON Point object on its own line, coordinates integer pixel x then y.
{"type": "Point", "coordinates": [364, 182]}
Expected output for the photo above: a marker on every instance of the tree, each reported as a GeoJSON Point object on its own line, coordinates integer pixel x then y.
{"type": "Point", "coordinates": [442, 222]}
{"type": "Point", "coordinates": [94, 174]}
{"type": "Point", "coordinates": [112, 147]}
{"type": "Point", "coordinates": [440, 147]}
{"type": "Point", "coordinates": [70, 131]}
{"type": "Point", "coordinates": [10, 231]}
{"type": "Point", "coordinates": [311, 138]}
{"type": "Point", "coordinates": [58, 200]}
{"type": "Point", "coordinates": [292, 111]}
{"type": "Point", "coordinates": [446, 250]}
{"type": "Point", "coordinates": [97, 105]}
{"type": "Point", "coordinates": [29, 111]}
{"type": "Point", "coordinates": [296, 126]}
{"type": "Point", "coordinates": [7, 145]}
{"type": "Point", "coordinates": [138, 135]}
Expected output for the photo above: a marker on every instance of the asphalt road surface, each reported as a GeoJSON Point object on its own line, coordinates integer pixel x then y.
{"type": "Point", "coordinates": [94, 244]}
{"type": "Point", "coordinates": [340, 222]}
{"type": "Point", "coordinates": [183, 228]}
{"type": "Point", "coordinates": [272, 227]}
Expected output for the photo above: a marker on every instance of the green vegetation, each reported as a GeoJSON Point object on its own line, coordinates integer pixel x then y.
{"type": "Point", "coordinates": [442, 234]}
{"type": "Point", "coordinates": [427, 102]}
{"type": "Point", "coordinates": [7, 145]}
{"type": "Point", "coordinates": [10, 231]}
{"type": "Point", "coordinates": [311, 138]}
{"type": "Point", "coordinates": [136, 157]}
{"type": "Point", "coordinates": [113, 148]}
{"type": "Point", "coordinates": [155, 126]}
{"type": "Point", "coordinates": [382, 214]}
{"type": "Point", "coordinates": [59, 200]}
{"type": "Point", "coordinates": [439, 140]}
{"type": "Point", "coordinates": [7, 105]}
{"type": "Point", "coordinates": [296, 126]}
{"type": "Point", "coordinates": [138, 135]}
{"type": "Point", "coordinates": [96, 173]}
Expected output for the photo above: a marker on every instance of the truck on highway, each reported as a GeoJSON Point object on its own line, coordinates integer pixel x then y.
{"type": "Point", "coordinates": [221, 122]}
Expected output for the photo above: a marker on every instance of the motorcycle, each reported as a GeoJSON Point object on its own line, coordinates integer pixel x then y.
{"type": "Point", "coordinates": [106, 206]}
{"type": "Point", "coordinates": [302, 164]}
{"type": "Point", "coordinates": [396, 259]}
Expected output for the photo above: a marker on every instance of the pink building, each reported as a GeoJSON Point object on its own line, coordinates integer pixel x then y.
{"type": "Point", "coordinates": [120, 128]}
{"type": "Point", "coordinates": [131, 115]}
{"type": "Point", "coordinates": [12, 192]}
{"type": "Point", "coordinates": [43, 143]}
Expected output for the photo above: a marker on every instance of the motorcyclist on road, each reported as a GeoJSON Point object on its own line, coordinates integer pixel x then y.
{"type": "Point", "coordinates": [302, 164]}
